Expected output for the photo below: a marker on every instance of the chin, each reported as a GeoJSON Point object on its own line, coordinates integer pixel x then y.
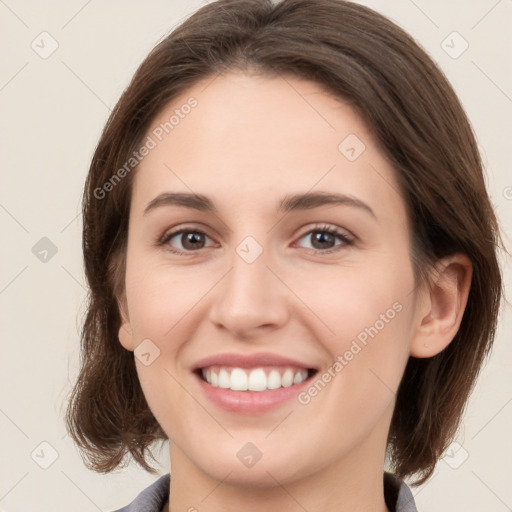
{"type": "Point", "coordinates": [233, 465]}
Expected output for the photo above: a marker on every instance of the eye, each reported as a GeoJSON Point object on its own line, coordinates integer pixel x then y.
{"type": "Point", "coordinates": [189, 240]}
{"type": "Point", "coordinates": [323, 239]}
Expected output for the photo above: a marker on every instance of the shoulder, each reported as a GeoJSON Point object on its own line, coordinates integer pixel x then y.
{"type": "Point", "coordinates": [152, 498]}
{"type": "Point", "coordinates": [397, 494]}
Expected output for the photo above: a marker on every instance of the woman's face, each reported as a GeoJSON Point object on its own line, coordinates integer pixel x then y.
{"type": "Point", "coordinates": [238, 282]}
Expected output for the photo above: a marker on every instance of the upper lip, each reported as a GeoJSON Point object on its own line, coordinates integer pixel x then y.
{"type": "Point", "coordinates": [249, 361]}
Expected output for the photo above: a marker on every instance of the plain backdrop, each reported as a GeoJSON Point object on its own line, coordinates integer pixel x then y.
{"type": "Point", "coordinates": [52, 110]}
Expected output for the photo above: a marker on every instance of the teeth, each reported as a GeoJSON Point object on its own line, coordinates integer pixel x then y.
{"type": "Point", "coordinates": [273, 380]}
{"type": "Point", "coordinates": [224, 379]}
{"type": "Point", "coordinates": [238, 379]}
{"type": "Point", "coordinates": [212, 378]}
{"type": "Point", "coordinates": [257, 380]}
{"type": "Point", "coordinates": [298, 377]}
{"type": "Point", "coordinates": [287, 378]}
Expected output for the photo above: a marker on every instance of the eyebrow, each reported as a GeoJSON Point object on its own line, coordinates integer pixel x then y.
{"type": "Point", "coordinates": [294, 202]}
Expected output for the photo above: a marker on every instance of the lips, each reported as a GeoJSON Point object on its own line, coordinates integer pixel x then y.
{"type": "Point", "coordinates": [251, 383]}
{"type": "Point", "coordinates": [250, 361]}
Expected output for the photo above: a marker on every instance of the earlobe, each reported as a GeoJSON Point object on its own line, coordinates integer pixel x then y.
{"type": "Point", "coordinates": [125, 331]}
{"type": "Point", "coordinates": [444, 306]}
{"type": "Point", "coordinates": [126, 337]}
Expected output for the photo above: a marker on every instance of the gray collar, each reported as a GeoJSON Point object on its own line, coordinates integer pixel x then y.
{"type": "Point", "coordinates": [397, 495]}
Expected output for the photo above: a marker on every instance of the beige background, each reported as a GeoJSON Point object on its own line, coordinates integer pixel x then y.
{"type": "Point", "coordinates": [53, 110]}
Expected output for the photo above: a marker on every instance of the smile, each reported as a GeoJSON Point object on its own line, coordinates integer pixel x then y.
{"type": "Point", "coordinates": [251, 383]}
{"type": "Point", "coordinates": [255, 379]}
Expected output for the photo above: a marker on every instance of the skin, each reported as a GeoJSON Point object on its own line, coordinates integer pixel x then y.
{"type": "Point", "coordinates": [250, 141]}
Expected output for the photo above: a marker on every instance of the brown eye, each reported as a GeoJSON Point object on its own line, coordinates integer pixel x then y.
{"type": "Point", "coordinates": [185, 240]}
{"type": "Point", "coordinates": [324, 239]}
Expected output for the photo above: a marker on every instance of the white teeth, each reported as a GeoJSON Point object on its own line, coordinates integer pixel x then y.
{"type": "Point", "coordinates": [300, 376]}
{"type": "Point", "coordinates": [238, 380]}
{"type": "Point", "coordinates": [224, 380]}
{"type": "Point", "coordinates": [273, 380]}
{"type": "Point", "coordinates": [287, 379]}
{"type": "Point", "coordinates": [256, 379]}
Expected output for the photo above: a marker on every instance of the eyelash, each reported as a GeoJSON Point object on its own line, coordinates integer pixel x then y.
{"type": "Point", "coordinates": [346, 240]}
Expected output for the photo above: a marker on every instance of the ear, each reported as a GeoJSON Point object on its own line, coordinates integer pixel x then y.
{"type": "Point", "coordinates": [442, 306]}
{"type": "Point", "coordinates": [125, 331]}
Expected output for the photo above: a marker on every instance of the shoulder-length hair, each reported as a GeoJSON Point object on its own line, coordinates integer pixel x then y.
{"type": "Point", "coordinates": [416, 118]}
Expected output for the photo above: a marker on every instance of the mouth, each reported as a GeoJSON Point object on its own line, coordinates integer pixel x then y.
{"type": "Point", "coordinates": [251, 383]}
{"type": "Point", "coordinates": [257, 379]}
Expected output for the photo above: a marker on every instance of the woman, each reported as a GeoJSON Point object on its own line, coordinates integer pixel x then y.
{"type": "Point", "coordinates": [292, 264]}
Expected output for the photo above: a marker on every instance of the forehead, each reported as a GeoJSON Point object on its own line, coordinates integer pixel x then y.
{"type": "Point", "coordinates": [256, 137]}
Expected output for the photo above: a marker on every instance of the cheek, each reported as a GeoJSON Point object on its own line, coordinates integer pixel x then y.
{"type": "Point", "coordinates": [159, 299]}
{"type": "Point", "coordinates": [352, 300]}
{"type": "Point", "coordinates": [366, 327]}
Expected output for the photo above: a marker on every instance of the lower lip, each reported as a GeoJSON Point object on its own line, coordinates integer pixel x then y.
{"type": "Point", "coordinates": [250, 402]}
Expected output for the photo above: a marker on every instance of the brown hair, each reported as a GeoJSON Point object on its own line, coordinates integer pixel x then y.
{"type": "Point", "coordinates": [415, 117]}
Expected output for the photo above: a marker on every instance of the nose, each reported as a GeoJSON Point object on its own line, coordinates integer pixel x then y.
{"type": "Point", "coordinates": [250, 298]}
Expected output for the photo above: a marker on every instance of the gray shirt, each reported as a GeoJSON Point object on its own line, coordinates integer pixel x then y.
{"type": "Point", "coordinates": [397, 494]}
